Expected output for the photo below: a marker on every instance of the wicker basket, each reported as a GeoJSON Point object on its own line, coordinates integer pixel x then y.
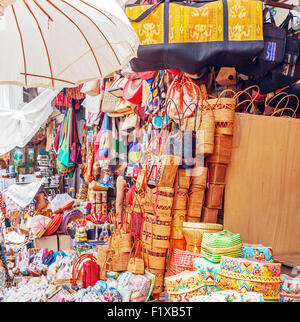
{"type": "Point", "coordinates": [199, 177]}
{"type": "Point", "coordinates": [121, 242]}
{"type": "Point", "coordinates": [222, 243]}
{"type": "Point", "coordinates": [205, 126]}
{"type": "Point", "coordinates": [182, 179]}
{"type": "Point", "coordinates": [196, 197]}
{"type": "Point", "coordinates": [181, 260]}
{"type": "Point", "coordinates": [195, 213]}
{"type": "Point", "coordinates": [224, 109]}
{"type": "Point", "coordinates": [159, 200]}
{"type": "Point", "coordinates": [209, 215]}
{"type": "Point", "coordinates": [166, 167]}
{"type": "Point", "coordinates": [155, 258]}
{"type": "Point", "coordinates": [217, 173]}
{"type": "Point", "coordinates": [156, 233]}
{"type": "Point", "coordinates": [120, 261]}
{"type": "Point", "coordinates": [157, 225]}
{"type": "Point", "coordinates": [193, 234]}
{"type": "Point", "coordinates": [222, 150]}
{"type": "Point", "coordinates": [214, 196]}
{"type": "Point", "coordinates": [138, 202]}
{"type": "Point", "coordinates": [180, 198]}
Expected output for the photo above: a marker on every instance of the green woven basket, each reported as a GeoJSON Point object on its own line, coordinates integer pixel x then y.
{"type": "Point", "coordinates": [223, 243]}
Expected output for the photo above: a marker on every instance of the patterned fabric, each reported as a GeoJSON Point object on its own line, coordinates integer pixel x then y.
{"type": "Point", "coordinates": [151, 30]}
{"type": "Point", "coordinates": [191, 24]}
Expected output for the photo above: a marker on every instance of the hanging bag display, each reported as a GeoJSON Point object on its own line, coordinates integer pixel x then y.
{"type": "Point", "coordinates": [182, 97]}
{"type": "Point", "coordinates": [189, 36]}
{"type": "Point", "coordinates": [64, 151]}
{"type": "Point", "coordinates": [133, 91]}
{"type": "Point", "coordinates": [75, 156]}
{"type": "Point", "coordinates": [136, 264]}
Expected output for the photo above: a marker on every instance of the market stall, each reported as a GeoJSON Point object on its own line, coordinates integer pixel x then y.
{"type": "Point", "coordinates": [161, 179]}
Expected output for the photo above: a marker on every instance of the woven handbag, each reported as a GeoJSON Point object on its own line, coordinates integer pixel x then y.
{"type": "Point", "coordinates": [136, 264]}
{"type": "Point", "coordinates": [223, 243]}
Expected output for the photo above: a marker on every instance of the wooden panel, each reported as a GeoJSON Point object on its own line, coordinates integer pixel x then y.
{"type": "Point", "coordinates": [262, 194]}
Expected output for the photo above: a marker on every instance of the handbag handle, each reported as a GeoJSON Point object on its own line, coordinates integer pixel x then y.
{"type": "Point", "coordinates": [276, 110]}
{"type": "Point", "coordinates": [145, 14]}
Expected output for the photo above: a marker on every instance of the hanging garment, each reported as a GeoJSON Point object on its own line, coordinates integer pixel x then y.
{"type": "Point", "coordinates": [19, 126]}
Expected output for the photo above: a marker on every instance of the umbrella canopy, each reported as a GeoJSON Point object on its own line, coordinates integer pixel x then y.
{"type": "Point", "coordinates": [63, 43]}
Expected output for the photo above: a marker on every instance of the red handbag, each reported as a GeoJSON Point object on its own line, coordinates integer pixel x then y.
{"type": "Point", "coordinates": [133, 91]}
{"type": "Point", "coordinates": [182, 97]}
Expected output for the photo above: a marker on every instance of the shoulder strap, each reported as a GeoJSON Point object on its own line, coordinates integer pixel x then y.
{"type": "Point", "coordinates": [147, 12]}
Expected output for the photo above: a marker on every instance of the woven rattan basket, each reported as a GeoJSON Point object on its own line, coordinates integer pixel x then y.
{"type": "Point", "coordinates": [222, 150]}
{"type": "Point", "coordinates": [217, 173]}
{"type": "Point", "coordinates": [214, 196]}
{"type": "Point", "coordinates": [159, 200]}
{"type": "Point", "coordinates": [193, 234]}
{"type": "Point", "coordinates": [180, 198]}
{"type": "Point", "coordinates": [155, 258]}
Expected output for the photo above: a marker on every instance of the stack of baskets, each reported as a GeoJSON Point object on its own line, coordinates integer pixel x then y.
{"type": "Point", "coordinates": [181, 189]}
{"type": "Point", "coordinates": [224, 109]}
{"type": "Point", "coordinates": [244, 275]}
{"type": "Point", "coordinates": [184, 286]}
{"type": "Point", "coordinates": [196, 194]}
{"type": "Point", "coordinates": [193, 234]}
{"type": "Point", "coordinates": [157, 207]}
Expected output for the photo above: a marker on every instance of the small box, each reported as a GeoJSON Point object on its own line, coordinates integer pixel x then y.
{"type": "Point", "coordinates": [49, 242]}
{"type": "Point", "coordinates": [64, 242]}
{"type": "Point", "coordinates": [217, 173]}
{"type": "Point", "coordinates": [209, 215]}
{"type": "Point", "coordinates": [222, 150]}
{"type": "Point", "coordinates": [214, 196]}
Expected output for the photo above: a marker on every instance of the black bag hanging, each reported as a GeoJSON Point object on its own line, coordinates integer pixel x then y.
{"type": "Point", "coordinates": [188, 140]}
{"type": "Point", "coordinates": [273, 52]}
{"type": "Point", "coordinates": [191, 35]}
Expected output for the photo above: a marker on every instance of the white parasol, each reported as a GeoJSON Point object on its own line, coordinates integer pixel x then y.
{"type": "Point", "coordinates": [63, 43]}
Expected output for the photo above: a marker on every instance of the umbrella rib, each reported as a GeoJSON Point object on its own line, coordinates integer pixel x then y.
{"type": "Point", "coordinates": [91, 6]}
{"type": "Point", "coordinates": [22, 44]}
{"type": "Point", "coordinates": [48, 77]}
{"type": "Point", "coordinates": [74, 23]}
{"type": "Point", "coordinates": [45, 45]}
{"type": "Point", "coordinates": [43, 10]}
{"type": "Point", "coordinates": [96, 27]}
